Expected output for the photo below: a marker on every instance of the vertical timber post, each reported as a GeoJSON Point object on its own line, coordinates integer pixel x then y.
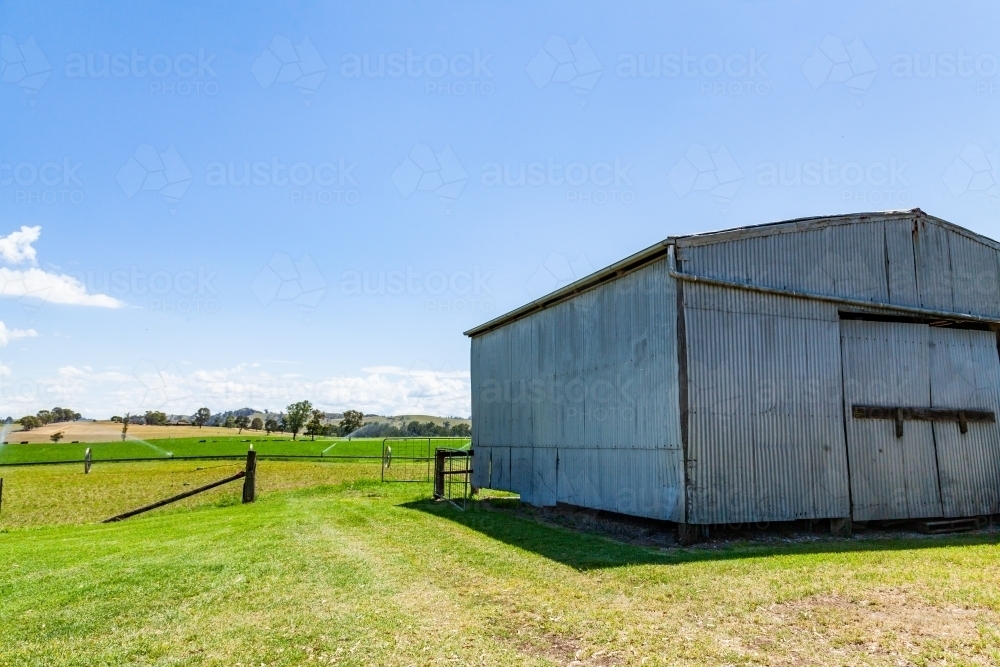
{"type": "Point", "coordinates": [249, 482]}
{"type": "Point", "coordinates": [87, 458]}
{"type": "Point", "coordinates": [439, 455]}
{"type": "Point", "coordinates": [1, 493]}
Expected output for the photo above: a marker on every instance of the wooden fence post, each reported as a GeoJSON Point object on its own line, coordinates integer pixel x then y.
{"type": "Point", "coordinates": [1, 493]}
{"type": "Point", "coordinates": [87, 457]}
{"type": "Point", "coordinates": [249, 482]}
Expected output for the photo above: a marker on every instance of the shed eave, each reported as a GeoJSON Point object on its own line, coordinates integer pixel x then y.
{"type": "Point", "coordinates": [657, 250]}
{"type": "Point", "coordinates": [618, 269]}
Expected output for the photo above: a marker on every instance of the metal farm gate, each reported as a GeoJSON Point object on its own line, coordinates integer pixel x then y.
{"type": "Point", "coordinates": [412, 459]}
{"type": "Point", "coordinates": [453, 476]}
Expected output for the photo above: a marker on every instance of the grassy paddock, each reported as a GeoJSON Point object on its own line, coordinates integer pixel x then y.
{"type": "Point", "coordinates": [329, 567]}
{"type": "Point", "coordinates": [206, 446]}
{"type": "Point", "coordinates": [62, 494]}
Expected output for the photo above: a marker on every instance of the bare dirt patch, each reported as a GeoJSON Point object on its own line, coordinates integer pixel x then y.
{"type": "Point", "coordinates": [107, 431]}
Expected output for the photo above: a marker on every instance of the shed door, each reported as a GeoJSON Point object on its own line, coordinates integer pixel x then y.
{"type": "Point", "coordinates": [888, 364]}
{"type": "Point", "coordinates": [965, 372]}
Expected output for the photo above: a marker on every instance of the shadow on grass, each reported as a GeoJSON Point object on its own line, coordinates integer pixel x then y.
{"type": "Point", "coordinates": [584, 550]}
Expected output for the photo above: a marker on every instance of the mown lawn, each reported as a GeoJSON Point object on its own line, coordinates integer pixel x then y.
{"type": "Point", "coordinates": [331, 567]}
{"type": "Point", "coordinates": [212, 446]}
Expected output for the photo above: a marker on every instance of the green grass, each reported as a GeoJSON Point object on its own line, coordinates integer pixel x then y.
{"type": "Point", "coordinates": [332, 567]}
{"type": "Point", "coordinates": [210, 446]}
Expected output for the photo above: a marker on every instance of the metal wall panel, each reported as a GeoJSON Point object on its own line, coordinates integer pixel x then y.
{"type": "Point", "coordinates": [522, 353]}
{"type": "Point", "coordinates": [888, 364]}
{"type": "Point", "coordinates": [974, 268]}
{"type": "Point", "coordinates": [545, 423]}
{"type": "Point", "coordinates": [843, 260]}
{"type": "Point", "coordinates": [625, 481]}
{"type": "Point", "coordinates": [597, 372]}
{"type": "Point", "coordinates": [901, 274]}
{"type": "Point", "coordinates": [481, 467]}
{"type": "Point", "coordinates": [544, 481]}
{"type": "Point", "coordinates": [766, 439]}
{"type": "Point", "coordinates": [910, 261]}
{"type": "Point", "coordinates": [500, 468]}
{"type": "Point", "coordinates": [965, 373]}
{"type": "Point", "coordinates": [933, 265]}
{"type": "Point", "coordinates": [521, 472]}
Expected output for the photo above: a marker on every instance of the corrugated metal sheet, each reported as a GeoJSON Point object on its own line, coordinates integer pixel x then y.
{"type": "Point", "coordinates": [975, 287]}
{"type": "Point", "coordinates": [544, 487]}
{"type": "Point", "coordinates": [888, 363]}
{"type": "Point", "coordinates": [901, 278]}
{"type": "Point", "coordinates": [846, 260]}
{"type": "Point", "coordinates": [910, 261]}
{"type": "Point", "coordinates": [594, 373]}
{"type": "Point", "coordinates": [965, 371]}
{"type": "Point", "coordinates": [766, 438]}
{"type": "Point", "coordinates": [933, 263]}
{"type": "Point", "coordinates": [481, 467]}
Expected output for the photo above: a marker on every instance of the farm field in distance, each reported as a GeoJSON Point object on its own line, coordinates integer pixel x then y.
{"type": "Point", "coordinates": [108, 431]}
{"type": "Point", "coordinates": [207, 446]}
{"type": "Point", "coordinates": [330, 566]}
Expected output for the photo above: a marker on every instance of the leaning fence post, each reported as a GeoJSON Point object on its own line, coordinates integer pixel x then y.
{"type": "Point", "coordinates": [249, 490]}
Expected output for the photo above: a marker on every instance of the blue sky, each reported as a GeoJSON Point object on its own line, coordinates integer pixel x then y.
{"type": "Point", "coordinates": [228, 206]}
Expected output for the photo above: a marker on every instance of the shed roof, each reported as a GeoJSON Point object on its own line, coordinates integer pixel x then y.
{"type": "Point", "coordinates": [658, 250]}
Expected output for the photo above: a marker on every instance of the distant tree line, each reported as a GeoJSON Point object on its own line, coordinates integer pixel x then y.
{"type": "Point", "coordinates": [43, 417]}
{"type": "Point", "coordinates": [416, 429]}
{"type": "Point", "coordinates": [300, 417]}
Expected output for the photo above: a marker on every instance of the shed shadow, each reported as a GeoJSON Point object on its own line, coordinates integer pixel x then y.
{"type": "Point", "coordinates": [584, 549]}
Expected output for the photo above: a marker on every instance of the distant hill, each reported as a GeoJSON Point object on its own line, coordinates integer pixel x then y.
{"type": "Point", "coordinates": [398, 420]}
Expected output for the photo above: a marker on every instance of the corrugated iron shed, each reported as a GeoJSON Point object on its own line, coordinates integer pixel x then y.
{"type": "Point", "coordinates": [714, 378]}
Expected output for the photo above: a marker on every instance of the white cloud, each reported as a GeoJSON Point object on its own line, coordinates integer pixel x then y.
{"type": "Point", "coordinates": [37, 284]}
{"type": "Point", "coordinates": [7, 335]}
{"type": "Point", "coordinates": [383, 390]}
{"type": "Point", "coordinates": [51, 287]}
{"type": "Point", "coordinates": [15, 248]}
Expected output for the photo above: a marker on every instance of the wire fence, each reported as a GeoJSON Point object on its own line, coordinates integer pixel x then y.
{"type": "Point", "coordinates": [411, 459]}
